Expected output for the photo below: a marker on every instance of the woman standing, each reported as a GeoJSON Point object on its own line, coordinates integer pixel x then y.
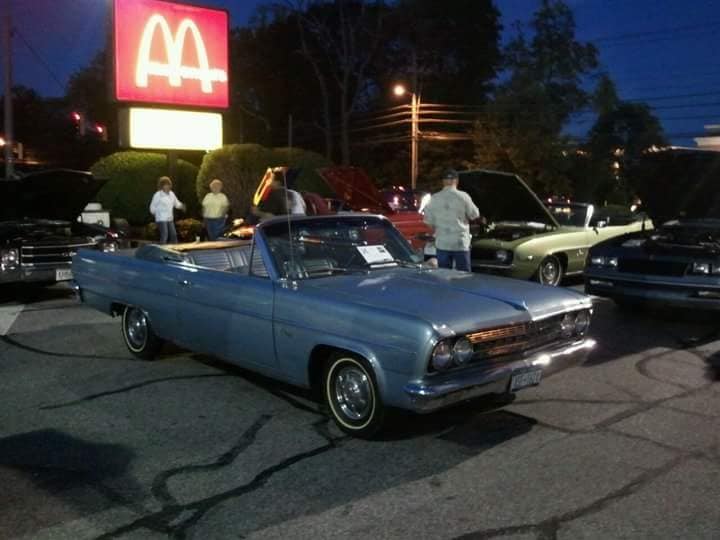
{"type": "Point", "coordinates": [215, 207]}
{"type": "Point", "coordinates": [162, 206]}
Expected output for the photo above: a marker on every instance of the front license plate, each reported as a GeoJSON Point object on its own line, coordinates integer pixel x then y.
{"type": "Point", "coordinates": [525, 379]}
{"type": "Point", "coordinates": [63, 275]}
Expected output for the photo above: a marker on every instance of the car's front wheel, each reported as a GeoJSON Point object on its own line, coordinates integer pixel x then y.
{"type": "Point", "coordinates": [138, 334]}
{"type": "Point", "coordinates": [351, 393]}
{"type": "Point", "coordinates": [550, 271]}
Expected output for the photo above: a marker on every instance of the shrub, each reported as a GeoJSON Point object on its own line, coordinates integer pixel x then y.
{"type": "Point", "coordinates": [187, 230]}
{"type": "Point", "coordinates": [308, 162]}
{"type": "Point", "coordinates": [132, 180]}
{"type": "Point", "coordinates": [242, 166]}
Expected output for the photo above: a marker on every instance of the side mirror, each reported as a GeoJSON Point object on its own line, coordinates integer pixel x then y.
{"type": "Point", "coordinates": [600, 225]}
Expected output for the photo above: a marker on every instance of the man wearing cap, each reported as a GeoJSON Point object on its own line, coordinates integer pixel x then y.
{"type": "Point", "coordinates": [449, 213]}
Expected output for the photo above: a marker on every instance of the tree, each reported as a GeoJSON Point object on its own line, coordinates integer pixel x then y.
{"type": "Point", "coordinates": [446, 51]}
{"type": "Point", "coordinates": [89, 93]}
{"type": "Point", "coordinates": [270, 82]}
{"type": "Point", "coordinates": [339, 40]}
{"type": "Point", "coordinates": [619, 137]}
{"type": "Point", "coordinates": [521, 129]}
{"type": "Point", "coordinates": [605, 98]}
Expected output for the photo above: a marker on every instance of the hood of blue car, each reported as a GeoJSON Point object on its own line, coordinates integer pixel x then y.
{"type": "Point", "coordinates": [460, 301]}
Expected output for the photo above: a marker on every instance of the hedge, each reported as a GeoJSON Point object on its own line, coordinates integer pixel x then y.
{"type": "Point", "coordinates": [132, 180]}
{"type": "Point", "coordinates": [242, 166]}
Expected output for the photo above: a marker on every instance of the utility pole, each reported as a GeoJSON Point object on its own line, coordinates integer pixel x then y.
{"type": "Point", "coordinates": [7, 53]}
{"type": "Point", "coordinates": [290, 132]}
{"type": "Point", "coordinates": [414, 137]}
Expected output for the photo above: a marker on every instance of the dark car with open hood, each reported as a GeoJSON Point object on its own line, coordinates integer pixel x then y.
{"type": "Point", "coordinates": [678, 263]}
{"type": "Point", "coordinates": [39, 231]}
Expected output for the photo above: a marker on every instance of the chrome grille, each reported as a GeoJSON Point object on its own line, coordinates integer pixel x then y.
{"type": "Point", "coordinates": [652, 268]}
{"type": "Point", "coordinates": [501, 341]}
{"type": "Point", "coordinates": [483, 254]}
{"type": "Point", "coordinates": [50, 255]}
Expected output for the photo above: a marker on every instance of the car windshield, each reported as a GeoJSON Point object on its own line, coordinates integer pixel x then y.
{"type": "Point", "coordinates": [570, 215]}
{"type": "Point", "coordinates": [312, 248]}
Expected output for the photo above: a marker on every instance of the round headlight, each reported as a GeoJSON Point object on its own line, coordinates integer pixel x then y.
{"type": "Point", "coordinates": [567, 325]}
{"type": "Point", "coordinates": [582, 322]}
{"type": "Point", "coordinates": [462, 351]}
{"type": "Point", "coordinates": [9, 257]}
{"type": "Point", "coordinates": [442, 356]}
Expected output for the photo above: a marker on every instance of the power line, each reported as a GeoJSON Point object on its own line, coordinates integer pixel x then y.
{"type": "Point", "coordinates": [40, 59]}
{"type": "Point", "coordinates": [615, 37]}
{"type": "Point", "coordinates": [676, 96]}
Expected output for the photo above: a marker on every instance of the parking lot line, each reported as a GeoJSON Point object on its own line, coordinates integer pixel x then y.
{"type": "Point", "coordinates": [8, 314]}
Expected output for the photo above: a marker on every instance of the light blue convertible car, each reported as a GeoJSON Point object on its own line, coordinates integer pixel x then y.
{"type": "Point", "coordinates": [340, 304]}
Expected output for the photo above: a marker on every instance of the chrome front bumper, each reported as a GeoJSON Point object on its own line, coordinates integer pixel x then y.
{"type": "Point", "coordinates": [430, 395]}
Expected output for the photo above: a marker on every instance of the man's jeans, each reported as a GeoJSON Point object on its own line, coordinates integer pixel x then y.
{"type": "Point", "coordinates": [460, 258]}
{"type": "Point", "coordinates": [167, 232]}
{"type": "Point", "coordinates": [214, 227]}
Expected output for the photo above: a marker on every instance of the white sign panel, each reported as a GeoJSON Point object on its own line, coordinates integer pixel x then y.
{"type": "Point", "coordinates": [169, 129]}
{"type": "Point", "coordinates": [375, 254]}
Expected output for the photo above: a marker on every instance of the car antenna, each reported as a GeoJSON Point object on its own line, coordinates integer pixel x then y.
{"type": "Point", "coordinates": [287, 210]}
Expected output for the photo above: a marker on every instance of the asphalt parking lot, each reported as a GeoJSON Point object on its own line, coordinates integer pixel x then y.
{"type": "Point", "coordinates": [96, 444]}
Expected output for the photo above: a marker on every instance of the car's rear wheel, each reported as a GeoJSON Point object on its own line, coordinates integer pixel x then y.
{"type": "Point", "coordinates": [550, 271]}
{"type": "Point", "coordinates": [351, 392]}
{"type": "Point", "coordinates": [138, 334]}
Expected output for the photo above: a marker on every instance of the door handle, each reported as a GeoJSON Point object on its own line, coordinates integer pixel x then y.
{"type": "Point", "coordinates": [184, 282]}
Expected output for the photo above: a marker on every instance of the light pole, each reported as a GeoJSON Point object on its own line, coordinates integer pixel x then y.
{"type": "Point", "coordinates": [8, 108]}
{"type": "Point", "coordinates": [400, 90]}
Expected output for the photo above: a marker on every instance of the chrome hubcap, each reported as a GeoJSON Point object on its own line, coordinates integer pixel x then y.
{"type": "Point", "coordinates": [136, 325]}
{"type": "Point", "coordinates": [353, 393]}
{"type": "Point", "coordinates": [549, 272]}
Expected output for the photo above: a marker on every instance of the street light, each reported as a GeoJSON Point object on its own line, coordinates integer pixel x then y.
{"type": "Point", "coordinates": [399, 90]}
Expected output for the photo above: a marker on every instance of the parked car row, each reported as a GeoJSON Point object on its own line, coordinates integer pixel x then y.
{"type": "Point", "coordinates": [677, 264]}
{"type": "Point", "coordinates": [344, 304]}
{"type": "Point", "coordinates": [523, 238]}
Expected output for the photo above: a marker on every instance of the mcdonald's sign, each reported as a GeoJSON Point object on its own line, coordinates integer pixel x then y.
{"type": "Point", "coordinates": [169, 53]}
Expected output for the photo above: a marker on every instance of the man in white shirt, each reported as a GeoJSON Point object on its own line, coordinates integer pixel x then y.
{"type": "Point", "coordinates": [449, 213]}
{"type": "Point", "coordinates": [162, 206]}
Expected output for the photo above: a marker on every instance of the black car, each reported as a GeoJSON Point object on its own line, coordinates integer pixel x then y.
{"type": "Point", "coordinates": [39, 230]}
{"type": "Point", "coordinates": [678, 263]}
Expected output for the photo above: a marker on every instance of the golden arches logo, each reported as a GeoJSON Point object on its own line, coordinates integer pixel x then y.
{"type": "Point", "coordinates": [174, 70]}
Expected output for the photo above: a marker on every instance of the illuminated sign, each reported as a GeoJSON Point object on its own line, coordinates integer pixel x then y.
{"type": "Point", "coordinates": [172, 54]}
{"type": "Point", "coordinates": [173, 130]}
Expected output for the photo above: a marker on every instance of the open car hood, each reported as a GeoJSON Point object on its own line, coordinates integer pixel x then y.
{"type": "Point", "coordinates": [263, 189]}
{"type": "Point", "coordinates": [353, 186]}
{"type": "Point", "coordinates": [679, 183]}
{"type": "Point", "coordinates": [504, 197]}
{"type": "Point", "coordinates": [56, 194]}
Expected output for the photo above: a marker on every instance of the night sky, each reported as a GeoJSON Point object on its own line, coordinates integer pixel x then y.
{"type": "Point", "coordinates": [659, 50]}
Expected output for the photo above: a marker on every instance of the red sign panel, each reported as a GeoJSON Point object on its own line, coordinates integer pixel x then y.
{"type": "Point", "coordinates": [169, 53]}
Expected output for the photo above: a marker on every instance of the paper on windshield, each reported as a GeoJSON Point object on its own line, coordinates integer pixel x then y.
{"type": "Point", "coordinates": [375, 254]}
